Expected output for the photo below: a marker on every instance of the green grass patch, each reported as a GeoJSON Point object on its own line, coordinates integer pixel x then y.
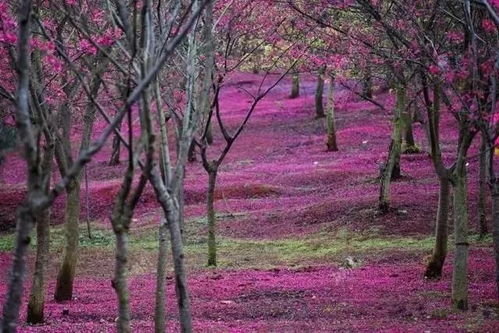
{"type": "Point", "coordinates": [322, 247]}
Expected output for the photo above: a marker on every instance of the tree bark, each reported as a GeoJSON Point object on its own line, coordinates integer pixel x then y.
{"type": "Point", "coordinates": [209, 134]}
{"type": "Point", "coordinates": [436, 263]}
{"type": "Point", "coordinates": [393, 161]}
{"type": "Point", "coordinates": [367, 85]}
{"type": "Point", "coordinates": [191, 157]}
{"type": "Point", "coordinates": [212, 243]}
{"type": "Point", "coordinates": [65, 278]}
{"type": "Point", "coordinates": [160, 305]}
{"type": "Point", "coordinates": [482, 207]}
{"type": "Point", "coordinates": [409, 142]}
{"type": "Point", "coordinates": [495, 228]}
{"type": "Point", "coordinates": [295, 86]}
{"type": "Point", "coordinates": [332, 144]}
{"type": "Point", "coordinates": [120, 281]}
{"type": "Point", "coordinates": [37, 296]}
{"type": "Point", "coordinates": [182, 291]}
{"type": "Point", "coordinates": [36, 302]}
{"type": "Point", "coordinates": [460, 269]}
{"type": "Point", "coordinates": [319, 107]}
{"type": "Point", "coordinates": [116, 150]}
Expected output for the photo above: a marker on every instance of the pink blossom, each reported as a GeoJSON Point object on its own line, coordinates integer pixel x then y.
{"type": "Point", "coordinates": [434, 69]}
{"type": "Point", "coordinates": [488, 25]}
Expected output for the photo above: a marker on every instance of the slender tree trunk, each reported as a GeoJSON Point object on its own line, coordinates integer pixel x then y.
{"type": "Point", "coordinates": [25, 223]}
{"type": "Point", "coordinates": [209, 134]}
{"type": "Point", "coordinates": [295, 86]}
{"type": "Point", "coordinates": [120, 281]}
{"type": "Point", "coordinates": [319, 107]}
{"type": "Point", "coordinates": [409, 142]}
{"type": "Point", "coordinates": [393, 161]}
{"type": "Point", "coordinates": [367, 85]}
{"type": "Point", "coordinates": [181, 288]}
{"type": "Point", "coordinates": [396, 174]}
{"type": "Point", "coordinates": [191, 157]}
{"type": "Point", "coordinates": [160, 306]}
{"type": "Point", "coordinates": [65, 278]}
{"type": "Point", "coordinates": [332, 144]}
{"type": "Point", "coordinates": [460, 271]}
{"type": "Point", "coordinates": [36, 302]}
{"type": "Point", "coordinates": [25, 218]}
{"type": "Point", "coordinates": [482, 210]}
{"type": "Point", "coordinates": [37, 296]}
{"type": "Point", "coordinates": [181, 204]}
{"type": "Point", "coordinates": [436, 263]}
{"type": "Point", "coordinates": [495, 228]}
{"type": "Point", "coordinates": [116, 150]}
{"type": "Point", "coordinates": [212, 243]}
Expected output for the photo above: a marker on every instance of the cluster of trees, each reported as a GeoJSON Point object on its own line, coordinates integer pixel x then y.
{"type": "Point", "coordinates": [436, 56]}
{"type": "Point", "coordinates": [153, 70]}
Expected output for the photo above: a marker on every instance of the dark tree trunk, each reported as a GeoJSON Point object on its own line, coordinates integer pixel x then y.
{"type": "Point", "coordinates": [482, 207]}
{"type": "Point", "coordinates": [332, 144]}
{"type": "Point", "coordinates": [37, 297]}
{"type": "Point", "coordinates": [209, 134]}
{"type": "Point", "coordinates": [460, 269]}
{"type": "Point", "coordinates": [116, 151]}
{"type": "Point", "coordinates": [396, 173]}
{"type": "Point", "coordinates": [319, 92]}
{"type": "Point", "coordinates": [212, 243]}
{"type": "Point", "coordinates": [409, 142]}
{"type": "Point", "coordinates": [65, 278]}
{"type": "Point", "coordinates": [36, 302]}
{"type": "Point", "coordinates": [436, 263]}
{"type": "Point", "coordinates": [495, 228]}
{"type": "Point", "coordinates": [191, 156]}
{"type": "Point", "coordinates": [295, 86]}
{"type": "Point", "coordinates": [367, 85]}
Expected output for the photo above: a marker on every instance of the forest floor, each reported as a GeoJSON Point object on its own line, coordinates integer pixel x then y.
{"type": "Point", "coordinates": [290, 214]}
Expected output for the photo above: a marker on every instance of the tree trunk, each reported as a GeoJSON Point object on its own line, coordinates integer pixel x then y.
{"type": "Point", "coordinates": [120, 281]}
{"type": "Point", "coordinates": [396, 174]}
{"type": "Point", "coordinates": [436, 263]}
{"type": "Point", "coordinates": [495, 228]}
{"type": "Point", "coordinates": [36, 302]}
{"type": "Point", "coordinates": [332, 144]}
{"type": "Point", "coordinates": [319, 107]}
{"type": "Point", "coordinates": [181, 288]}
{"type": "Point", "coordinates": [191, 156]}
{"type": "Point", "coordinates": [367, 85]}
{"type": "Point", "coordinates": [65, 278]}
{"type": "Point", "coordinates": [116, 150]}
{"type": "Point", "coordinates": [160, 310]}
{"type": "Point", "coordinates": [409, 142]}
{"type": "Point", "coordinates": [295, 86]}
{"type": "Point", "coordinates": [460, 271]}
{"type": "Point", "coordinates": [37, 297]}
{"type": "Point", "coordinates": [25, 218]}
{"type": "Point", "coordinates": [25, 223]}
{"type": "Point", "coordinates": [393, 161]}
{"type": "Point", "coordinates": [181, 203]}
{"type": "Point", "coordinates": [209, 134]}
{"type": "Point", "coordinates": [482, 210]}
{"type": "Point", "coordinates": [212, 243]}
